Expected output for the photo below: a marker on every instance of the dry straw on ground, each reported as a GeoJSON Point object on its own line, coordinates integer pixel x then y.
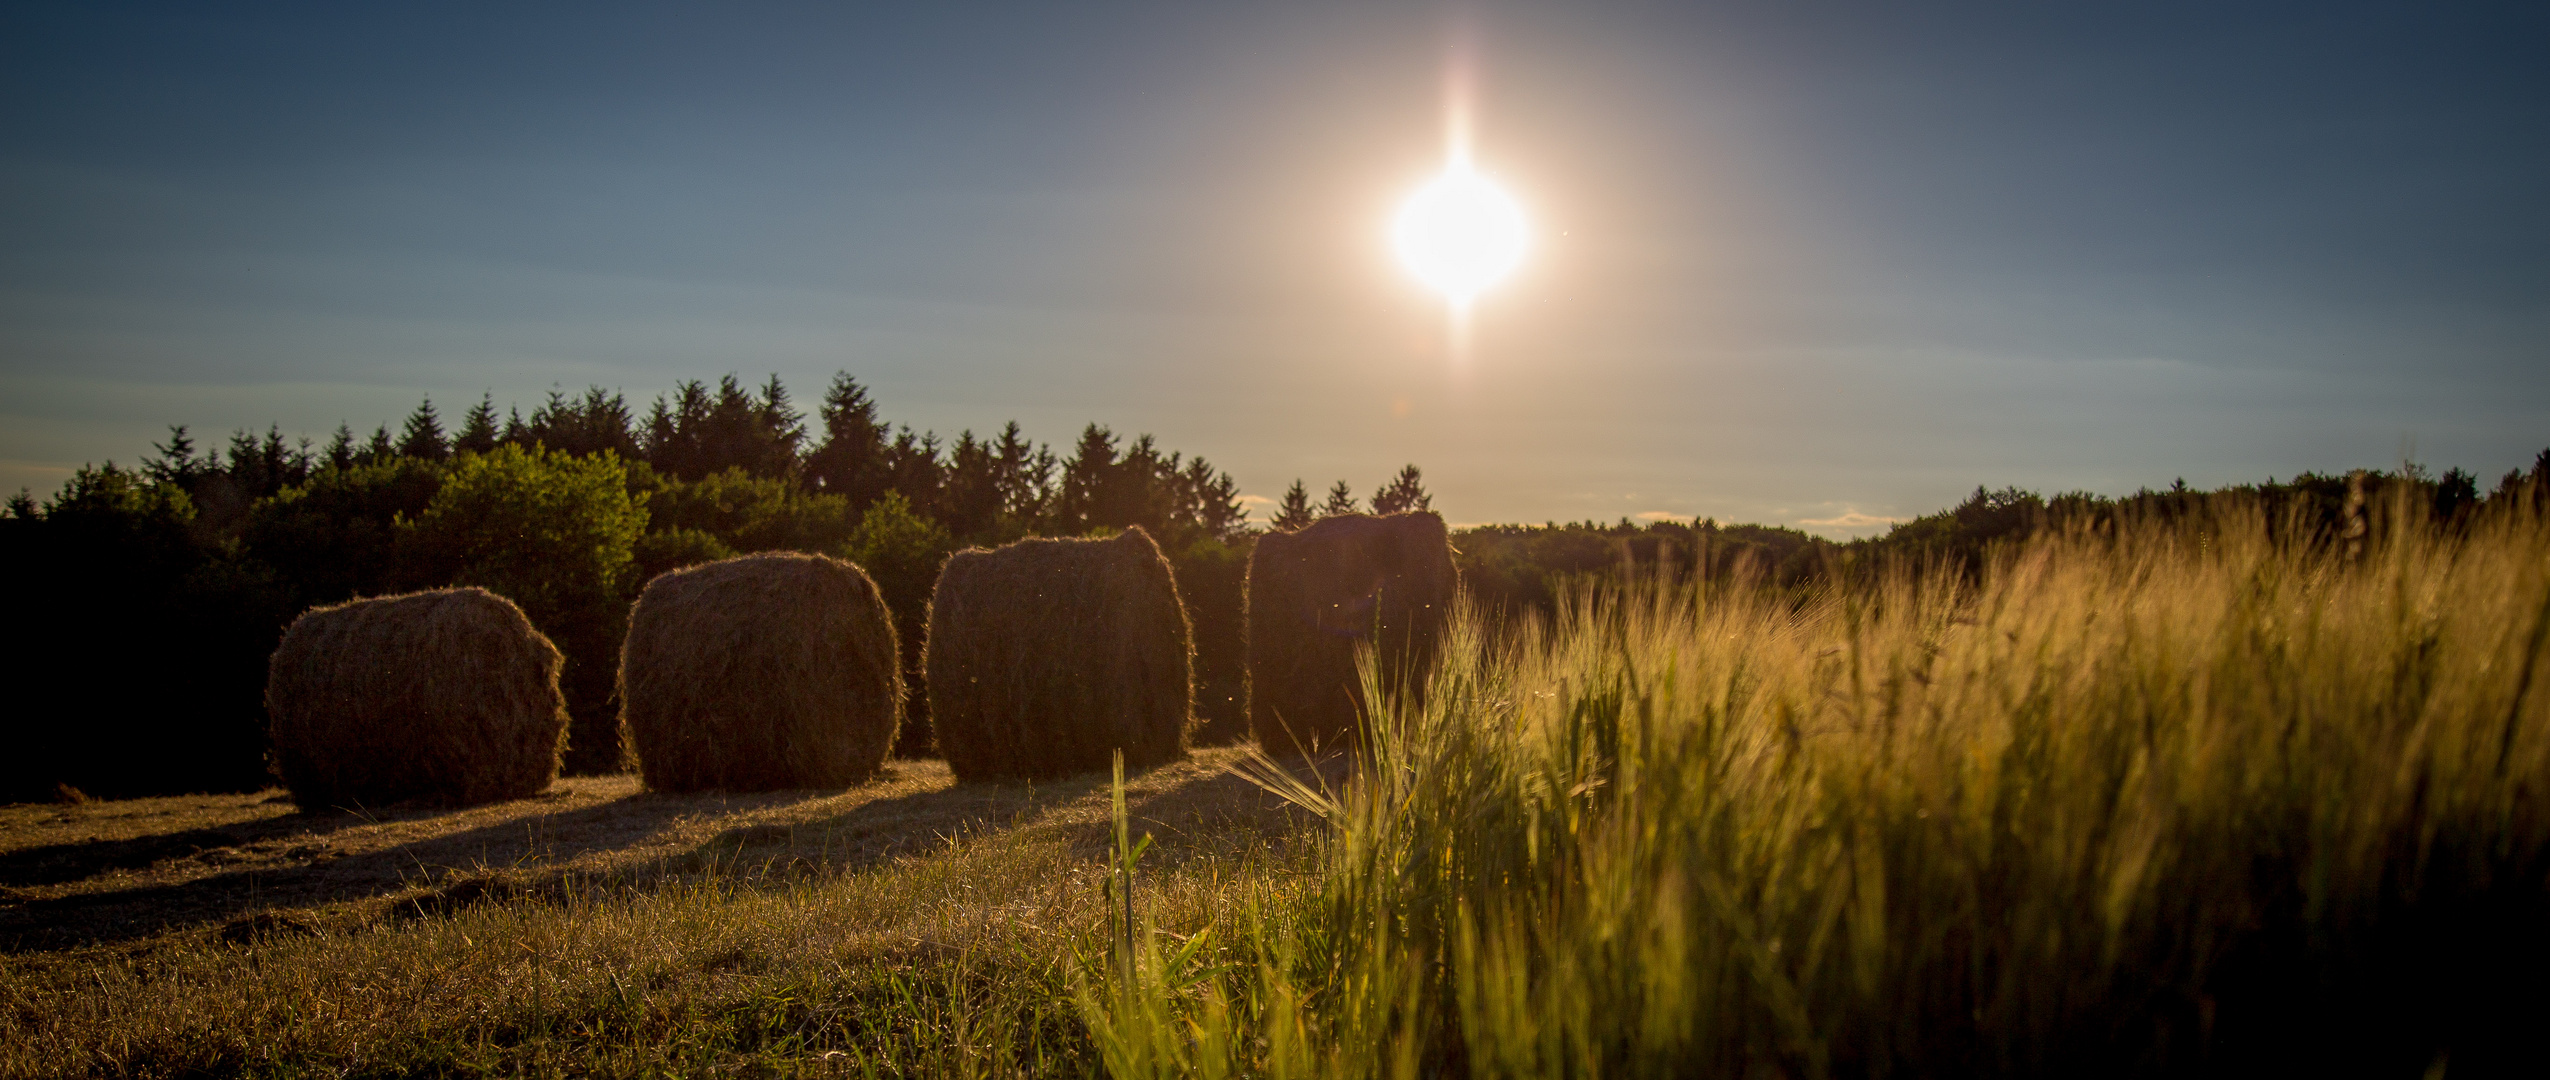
{"type": "Point", "coordinates": [1047, 656]}
{"type": "Point", "coordinates": [447, 696]}
{"type": "Point", "coordinates": [760, 673]}
{"type": "Point", "coordinates": [1315, 595]}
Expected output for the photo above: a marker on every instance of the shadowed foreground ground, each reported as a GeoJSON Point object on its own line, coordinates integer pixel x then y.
{"type": "Point", "coordinates": [245, 866]}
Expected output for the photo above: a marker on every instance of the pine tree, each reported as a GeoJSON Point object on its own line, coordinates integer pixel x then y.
{"type": "Point", "coordinates": [708, 433]}
{"type": "Point", "coordinates": [912, 466]}
{"type": "Point", "coordinates": [1142, 489]}
{"type": "Point", "coordinates": [1341, 500]}
{"type": "Point", "coordinates": [598, 422]}
{"type": "Point", "coordinates": [176, 462]}
{"type": "Point", "coordinates": [733, 436]}
{"type": "Point", "coordinates": [1405, 492]}
{"type": "Point", "coordinates": [675, 431]}
{"type": "Point", "coordinates": [783, 429]}
{"type": "Point", "coordinates": [1025, 472]}
{"type": "Point", "coordinates": [22, 506]}
{"type": "Point", "coordinates": [423, 438]}
{"type": "Point", "coordinates": [1103, 488]}
{"type": "Point", "coordinates": [851, 461]}
{"type": "Point", "coordinates": [970, 502]}
{"type": "Point", "coordinates": [380, 449]}
{"type": "Point", "coordinates": [247, 464]}
{"type": "Point", "coordinates": [1294, 512]}
{"type": "Point", "coordinates": [262, 466]}
{"type": "Point", "coordinates": [700, 432]}
{"type": "Point", "coordinates": [1211, 498]}
{"type": "Point", "coordinates": [1086, 476]}
{"type": "Point", "coordinates": [340, 453]}
{"type": "Point", "coordinates": [478, 430]}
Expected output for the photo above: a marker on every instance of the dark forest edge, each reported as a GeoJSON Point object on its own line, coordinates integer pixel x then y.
{"type": "Point", "coordinates": [164, 587]}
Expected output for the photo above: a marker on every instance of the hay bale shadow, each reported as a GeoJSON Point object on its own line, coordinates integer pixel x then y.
{"type": "Point", "coordinates": [122, 915]}
{"type": "Point", "coordinates": [886, 829]}
{"type": "Point", "coordinates": [1218, 812]}
{"type": "Point", "coordinates": [57, 864]}
{"type": "Point", "coordinates": [1192, 809]}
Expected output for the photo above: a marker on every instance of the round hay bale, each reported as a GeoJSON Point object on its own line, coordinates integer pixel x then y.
{"type": "Point", "coordinates": [448, 696]}
{"type": "Point", "coordinates": [760, 673]}
{"type": "Point", "coordinates": [1045, 657]}
{"type": "Point", "coordinates": [1316, 594]}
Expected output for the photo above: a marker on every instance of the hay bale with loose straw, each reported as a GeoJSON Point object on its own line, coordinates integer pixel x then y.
{"type": "Point", "coordinates": [760, 673]}
{"type": "Point", "coordinates": [447, 697]}
{"type": "Point", "coordinates": [1316, 594]}
{"type": "Point", "coordinates": [1047, 656]}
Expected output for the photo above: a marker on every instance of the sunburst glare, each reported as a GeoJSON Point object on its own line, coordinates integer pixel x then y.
{"type": "Point", "coordinates": [1461, 234]}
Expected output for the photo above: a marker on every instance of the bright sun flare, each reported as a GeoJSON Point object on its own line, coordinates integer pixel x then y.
{"type": "Point", "coordinates": [1460, 234]}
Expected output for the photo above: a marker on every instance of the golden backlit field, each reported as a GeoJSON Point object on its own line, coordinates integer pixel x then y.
{"type": "Point", "coordinates": [2207, 795]}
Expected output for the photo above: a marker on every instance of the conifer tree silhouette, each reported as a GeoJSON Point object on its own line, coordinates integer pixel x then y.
{"type": "Point", "coordinates": [1341, 500]}
{"type": "Point", "coordinates": [423, 437]}
{"type": "Point", "coordinates": [1294, 512]}
{"type": "Point", "coordinates": [478, 429]}
{"type": "Point", "coordinates": [1407, 491]}
{"type": "Point", "coordinates": [851, 460]}
{"type": "Point", "coordinates": [341, 452]}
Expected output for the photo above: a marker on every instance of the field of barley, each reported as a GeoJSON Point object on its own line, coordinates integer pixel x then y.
{"type": "Point", "coordinates": [2209, 795]}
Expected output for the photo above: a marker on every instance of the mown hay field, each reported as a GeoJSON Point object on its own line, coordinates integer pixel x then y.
{"type": "Point", "coordinates": [908, 925]}
{"type": "Point", "coordinates": [2156, 798]}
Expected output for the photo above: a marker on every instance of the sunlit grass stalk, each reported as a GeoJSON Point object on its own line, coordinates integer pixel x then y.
{"type": "Point", "coordinates": [2150, 798]}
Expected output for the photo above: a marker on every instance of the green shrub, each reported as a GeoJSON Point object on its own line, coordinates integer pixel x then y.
{"type": "Point", "coordinates": [659, 553]}
{"type": "Point", "coordinates": [752, 513]}
{"type": "Point", "coordinates": [902, 552]}
{"type": "Point", "coordinates": [557, 535]}
{"type": "Point", "coordinates": [336, 537]}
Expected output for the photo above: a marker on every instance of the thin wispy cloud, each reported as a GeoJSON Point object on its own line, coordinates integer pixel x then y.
{"type": "Point", "coordinates": [1852, 520]}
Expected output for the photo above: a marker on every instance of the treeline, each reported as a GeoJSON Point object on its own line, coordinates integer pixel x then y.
{"type": "Point", "coordinates": [2328, 507]}
{"type": "Point", "coordinates": [151, 596]}
{"type": "Point", "coordinates": [155, 593]}
{"type": "Point", "coordinates": [1514, 568]}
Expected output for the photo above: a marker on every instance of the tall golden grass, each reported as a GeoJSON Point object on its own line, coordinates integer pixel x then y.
{"type": "Point", "coordinates": [2155, 798]}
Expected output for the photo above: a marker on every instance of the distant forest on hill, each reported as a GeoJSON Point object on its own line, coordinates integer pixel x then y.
{"type": "Point", "coordinates": [158, 591]}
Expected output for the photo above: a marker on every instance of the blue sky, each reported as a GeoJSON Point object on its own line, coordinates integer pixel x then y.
{"type": "Point", "coordinates": [1795, 263]}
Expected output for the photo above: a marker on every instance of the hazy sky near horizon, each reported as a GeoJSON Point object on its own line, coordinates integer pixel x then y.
{"type": "Point", "coordinates": [1795, 263]}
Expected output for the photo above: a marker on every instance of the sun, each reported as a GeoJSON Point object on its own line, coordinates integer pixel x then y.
{"type": "Point", "coordinates": [1460, 233]}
